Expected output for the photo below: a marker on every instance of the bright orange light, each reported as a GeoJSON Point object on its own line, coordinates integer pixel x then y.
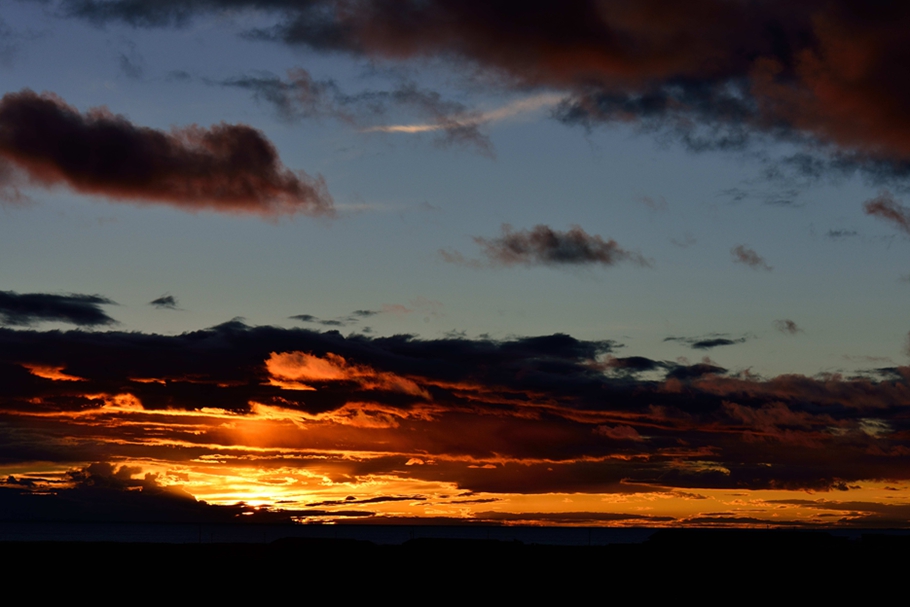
{"type": "Point", "coordinates": [50, 372]}
{"type": "Point", "coordinates": [290, 370]}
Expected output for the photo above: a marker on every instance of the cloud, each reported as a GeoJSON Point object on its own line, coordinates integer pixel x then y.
{"type": "Point", "coordinates": [31, 308]}
{"type": "Point", "coordinates": [545, 246]}
{"type": "Point", "coordinates": [709, 342]}
{"type": "Point", "coordinates": [302, 96]}
{"type": "Point", "coordinates": [787, 326]}
{"type": "Point", "coordinates": [165, 302]}
{"type": "Point", "coordinates": [747, 256]}
{"type": "Point", "coordinates": [525, 415]}
{"type": "Point", "coordinates": [655, 204]}
{"type": "Point", "coordinates": [132, 64]}
{"type": "Point", "coordinates": [225, 168]}
{"type": "Point", "coordinates": [838, 234]}
{"type": "Point", "coordinates": [886, 207]}
{"type": "Point", "coordinates": [325, 322]}
{"type": "Point", "coordinates": [824, 75]}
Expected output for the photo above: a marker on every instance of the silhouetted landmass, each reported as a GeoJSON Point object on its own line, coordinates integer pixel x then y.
{"type": "Point", "coordinates": [670, 563]}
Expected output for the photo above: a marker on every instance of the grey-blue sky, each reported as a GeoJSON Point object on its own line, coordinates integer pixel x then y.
{"type": "Point", "coordinates": [381, 250]}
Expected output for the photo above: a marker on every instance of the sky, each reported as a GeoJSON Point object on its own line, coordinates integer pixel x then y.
{"type": "Point", "coordinates": [588, 262]}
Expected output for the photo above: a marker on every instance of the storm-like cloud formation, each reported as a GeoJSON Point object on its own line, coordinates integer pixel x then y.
{"type": "Point", "coordinates": [524, 415]}
{"type": "Point", "coordinates": [544, 246]}
{"type": "Point", "coordinates": [226, 168]}
{"type": "Point", "coordinates": [746, 256]}
{"type": "Point", "coordinates": [31, 308]}
{"type": "Point", "coordinates": [825, 73]}
{"type": "Point", "coordinates": [886, 207]}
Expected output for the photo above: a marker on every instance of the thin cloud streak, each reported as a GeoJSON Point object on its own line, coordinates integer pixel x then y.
{"type": "Point", "coordinates": [510, 110]}
{"type": "Point", "coordinates": [884, 206]}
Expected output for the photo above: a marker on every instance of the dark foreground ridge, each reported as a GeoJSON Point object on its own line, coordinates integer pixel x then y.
{"type": "Point", "coordinates": [670, 562]}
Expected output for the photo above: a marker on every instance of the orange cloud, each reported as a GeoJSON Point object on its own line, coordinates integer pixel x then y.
{"type": "Point", "coordinates": [289, 370]}
{"type": "Point", "coordinates": [51, 372]}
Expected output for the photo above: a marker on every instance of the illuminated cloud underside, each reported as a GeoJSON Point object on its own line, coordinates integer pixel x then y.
{"type": "Point", "coordinates": [549, 431]}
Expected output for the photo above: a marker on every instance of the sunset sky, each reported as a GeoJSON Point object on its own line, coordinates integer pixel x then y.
{"type": "Point", "coordinates": [576, 263]}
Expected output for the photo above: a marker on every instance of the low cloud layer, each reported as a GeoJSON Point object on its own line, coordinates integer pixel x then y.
{"type": "Point", "coordinates": [32, 308]}
{"type": "Point", "coordinates": [547, 247]}
{"type": "Point", "coordinates": [491, 416]}
{"type": "Point", "coordinates": [225, 168]}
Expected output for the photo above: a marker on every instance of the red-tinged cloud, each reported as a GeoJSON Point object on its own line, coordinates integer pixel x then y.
{"type": "Point", "coordinates": [716, 72]}
{"type": "Point", "coordinates": [746, 256]}
{"type": "Point", "coordinates": [544, 246]}
{"type": "Point", "coordinates": [886, 207]}
{"type": "Point", "coordinates": [225, 168]}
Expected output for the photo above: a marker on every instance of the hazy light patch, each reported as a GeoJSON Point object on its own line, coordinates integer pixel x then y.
{"type": "Point", "coordinates": [511, 110]}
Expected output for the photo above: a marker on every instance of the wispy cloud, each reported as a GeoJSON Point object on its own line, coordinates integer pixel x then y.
{"type": "Point", "coordinates": [746, 256]}
{"type": "Point", "coordinates": [884, 206]}
{"type": "Point", "coordinates": [510, 110]}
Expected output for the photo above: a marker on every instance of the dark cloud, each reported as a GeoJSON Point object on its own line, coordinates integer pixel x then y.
{"type": "Point", "coordinates": [324, 322]}
{"type": "Point", "coordinates": [165, 302]}
{"type": "Point", "coordinates": [633, 364]}
{"type": "Point", "coordinates": [305, 318]}
{"type": "Point", "coordinates": [104, 492]}
{"type": "Point", "coordinates": [530, 415]}
{"type": "Point", "coordinates": [787, 326]}
{"type": "Point", "coordinates": [684, 372]}
{"type": "Point", "coordinates": [886, 207]}
{"type": "Point", "coordinates": [31, 308]}
{"type": "Point", "coordinates": [714, 73]}
{"type": "Point", "coordinates": [227, 168]}
{"type": "Point", "coordinates": [545, 246]}
{"type": "Point", "coordinates": [744, 255]}
{"type": "Point", "coordinates": [708, 342]}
